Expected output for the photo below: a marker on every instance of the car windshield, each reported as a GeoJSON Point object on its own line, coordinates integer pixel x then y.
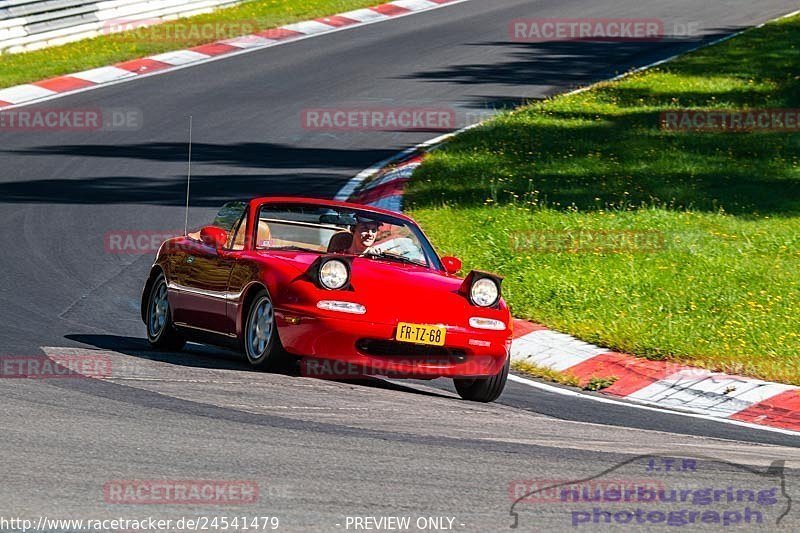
{"type": "Point", "coordinates": [229, 214]}
{"type": "Point", "coordinates": [323, 229]}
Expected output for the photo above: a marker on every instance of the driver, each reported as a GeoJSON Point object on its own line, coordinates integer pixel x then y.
{"type": "Point", "coordinates": [364, 234]}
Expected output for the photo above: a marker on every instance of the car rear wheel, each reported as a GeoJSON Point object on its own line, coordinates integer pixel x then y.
{"type": "Point", "coordinates": [161, 333]}
{"type": "Point", "coordinates": [483, 389]}
{"type": "Point", "coordinates": [262, 347]}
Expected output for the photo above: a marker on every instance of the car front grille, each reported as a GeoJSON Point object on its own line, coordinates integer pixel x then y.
{"type": "Point", "coordinates": [387, 348]}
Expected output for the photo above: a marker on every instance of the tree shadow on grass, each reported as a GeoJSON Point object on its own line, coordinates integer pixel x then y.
{"type": "Point", "coordinates": [593, 160]}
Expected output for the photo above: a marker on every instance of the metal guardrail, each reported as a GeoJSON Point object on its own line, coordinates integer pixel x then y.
{"type": "Point", "coordinates": [23, 8]}
{"type": "Point", "coordinates": [32, 24]}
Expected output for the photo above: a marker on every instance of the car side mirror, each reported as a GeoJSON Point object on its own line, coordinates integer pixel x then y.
{"type": "Point", "coordinates": [451, 264]}
{"type": "Point", "coordinates": [214, 237]}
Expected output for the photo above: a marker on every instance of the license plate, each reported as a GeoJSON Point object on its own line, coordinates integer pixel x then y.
{"type": "Point", "coordinates": [421, 334]}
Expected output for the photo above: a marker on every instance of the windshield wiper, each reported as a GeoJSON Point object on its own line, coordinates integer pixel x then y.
{"type": "Point", "coordinates": [393, 257]}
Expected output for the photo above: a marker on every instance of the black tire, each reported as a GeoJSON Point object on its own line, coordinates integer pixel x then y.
{"type": "Point", "coordinates": [483, 389]}
{"type": "Point", "coordinates": [161, 333]}
{"type": "Point", "coordinates": [262, 349]}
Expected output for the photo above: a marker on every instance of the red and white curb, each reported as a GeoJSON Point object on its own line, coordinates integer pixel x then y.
{"type": "Point", "coordinates": [128, 70]}
{"type": "Point", "coordinates": [386, 190]}
{"type": "Point", "coordinates": [660, 383]}
{"type": "Point", "coordinates": [382, 184]}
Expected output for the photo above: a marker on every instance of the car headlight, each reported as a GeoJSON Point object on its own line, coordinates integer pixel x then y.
{"type": "Point", "coordinates": [484, 292]}
{"type": "Point", "coordinates": [333, 274]}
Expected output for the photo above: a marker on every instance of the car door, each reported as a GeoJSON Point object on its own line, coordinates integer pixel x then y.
{"type": "Point", "coordinates": [178, 270]}
{"type": "Point", "coordinates": [206, 288]}
{"type": "Point", "coordinates": [206, 272]}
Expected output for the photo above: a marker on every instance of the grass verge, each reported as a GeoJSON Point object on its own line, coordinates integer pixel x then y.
{"type": "Point", "coordinates": [679, 245]}
{"type": "Point", "coordinates": [564, 378]}
{"type": "Point", "coordinates": [105, 50]}
{"type": "Point", "coordinates": [545, 373]}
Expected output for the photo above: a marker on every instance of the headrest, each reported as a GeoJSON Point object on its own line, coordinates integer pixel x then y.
{"type": "Point", "coordinates": [340, 242]}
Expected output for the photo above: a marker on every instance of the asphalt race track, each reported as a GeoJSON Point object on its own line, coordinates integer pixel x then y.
{"type": "Point", "coordinates": [320, 451]}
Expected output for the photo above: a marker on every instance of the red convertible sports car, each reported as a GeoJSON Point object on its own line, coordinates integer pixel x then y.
{"type": "Point", "coordinates": [342, 285]}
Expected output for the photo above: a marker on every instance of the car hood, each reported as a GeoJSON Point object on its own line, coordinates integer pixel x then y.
{"type": "Point", "coordinates": [396, 292]}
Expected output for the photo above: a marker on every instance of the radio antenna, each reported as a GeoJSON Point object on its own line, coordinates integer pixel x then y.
{"type": "Point", "coordinates": [188, 181]}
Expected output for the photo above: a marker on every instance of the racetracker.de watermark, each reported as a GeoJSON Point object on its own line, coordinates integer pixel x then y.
{"type": "Point", "coordinates": [181, 492]}
{"type": "Point", "coordinates": [133, 242]}
{"type": "Point", "coordinates": [586, 241]}
{"type": "Point", "coordinates": [55, 366]}
{"type": "Point", "coordinates": [534, 30]}
{"type": "Point", "coordinates": [333, 369]}
{"type": "Point", "coordinates": [155, 30]}
{"type": "Point", "coordinates": [71, 119]}
{"type": "Point", "coordinates": [379, 119]}
{"type": "Point", "coordinates": [747, 120]}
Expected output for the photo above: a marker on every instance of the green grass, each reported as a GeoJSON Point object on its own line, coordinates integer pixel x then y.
{"type": "Point", "coordinates": [595, 383]}
{"type": "Point", "coordinates": [545, 373]}
{"type": "Point", "coordinates": [109, 49]}
{"type": "Point", "coordinates": [598, 384]}
{"type": "Point", "coordinates": [721, 289]}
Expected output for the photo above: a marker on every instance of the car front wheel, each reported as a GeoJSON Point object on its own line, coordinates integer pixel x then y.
{"type": "Point", "coordinates": [483, 389]}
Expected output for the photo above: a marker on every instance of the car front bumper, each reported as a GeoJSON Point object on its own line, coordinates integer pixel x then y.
{"type": "Point", "coordinates": [342, 348]}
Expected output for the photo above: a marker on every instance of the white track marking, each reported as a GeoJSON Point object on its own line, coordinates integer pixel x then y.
{"type": "Point", "coordinates": [248, 41]}
{"type": "Point", "coordinates": [103, 74]}
{"type": "Point", "coordinates": [552, 349]}
{"type": "Point", "coordinates": [309, 27]}
{"type": "Point", "coordinates": [414, 5]}
{"type": "Point", "coordinates": [365, 15]}
{"type": "Point", "coordinates": [24, 93]}
{"type": "Point", "coordinates": [180, 57]}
